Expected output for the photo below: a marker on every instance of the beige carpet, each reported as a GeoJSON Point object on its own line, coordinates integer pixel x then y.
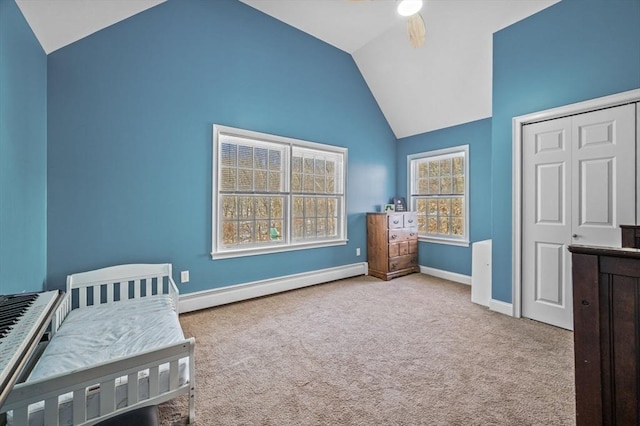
{"type": "Point", "coordinates": [361, 351]}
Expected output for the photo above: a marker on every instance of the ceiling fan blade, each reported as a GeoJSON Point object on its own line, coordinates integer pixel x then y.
{"type": "Point", "coordinates": [416, 30]}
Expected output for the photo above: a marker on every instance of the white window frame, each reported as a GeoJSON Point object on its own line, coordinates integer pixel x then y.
{"type": "Point", "coordinates": [412, 195]}
{"type": "Point", "coordinates": [287, 243]}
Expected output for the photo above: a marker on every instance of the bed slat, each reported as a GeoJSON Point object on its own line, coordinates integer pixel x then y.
{"type": "Point", "coordinates": [79, 406]}
{"type": "Point", "coordinates": [82, 297]}
{"type": "Point", "coordinates": [20, 415]}
{"type": "Point", "coordinates": [51, 411]}
{"type": "Point", "coordinates": [133, 393]}
{"type": "Point", "coordinates": [107, 397]}
{"type": "Point", "coordinates": [136, 289]}
{"type": "Point", "coordinates": [174, 375]}
{"type": "Point", "coordinates": [154, 385]}
{"type": "Point", "coordinates": [96, 294]}
{"type": "Point", "coordinates": [110, 293]}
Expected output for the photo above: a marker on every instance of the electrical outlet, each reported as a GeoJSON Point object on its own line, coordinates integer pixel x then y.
{"type": "Point", "coordinates": [184, 277]}
{"type": "Point", "coordinates": [358, 251]}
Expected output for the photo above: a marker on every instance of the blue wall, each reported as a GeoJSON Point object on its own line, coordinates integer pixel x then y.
{"type": "Point", "coordinates": [23, 154]}
{"type": "Point", "coordinates": [477, 135]}
{"type": "Point", "coordinates": [131, 110]}
{"type": "Point", "coordinates": [573, 51]}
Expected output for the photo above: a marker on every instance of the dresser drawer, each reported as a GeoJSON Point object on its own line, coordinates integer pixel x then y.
{"type": "Point", "coordinates": [403, 262]}
{"type": "Point", "coordinates": [395, 220]}
{"type": "Point", "coordinates": [405, 234]}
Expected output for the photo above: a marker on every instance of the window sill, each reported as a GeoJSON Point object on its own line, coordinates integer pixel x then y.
{"type": "Point", "coordinates": [459, 243]}
{"type": "Point", "coordinates": [270, 250]}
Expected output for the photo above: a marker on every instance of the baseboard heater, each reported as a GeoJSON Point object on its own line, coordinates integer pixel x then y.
{"type": "Point", "coordinates": [238, 292]}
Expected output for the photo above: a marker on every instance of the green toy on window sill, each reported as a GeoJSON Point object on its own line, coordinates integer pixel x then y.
{"type": "Point", "coordinates": [274, 234]}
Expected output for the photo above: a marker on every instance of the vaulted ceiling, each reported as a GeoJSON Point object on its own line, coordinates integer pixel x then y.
{"type": "Point", "coordinates": [445, 82]}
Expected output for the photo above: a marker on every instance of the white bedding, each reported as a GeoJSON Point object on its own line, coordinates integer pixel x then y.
{"type": "Point", "coordinates": [100, 333]}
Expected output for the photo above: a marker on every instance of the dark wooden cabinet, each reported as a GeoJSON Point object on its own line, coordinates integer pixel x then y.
{"type": "Point", "coordinates": [392, 244]}
{"type": "Point", "coordinates": [606, 316]}
{"type": "Point", "coordinates": [630, 236]}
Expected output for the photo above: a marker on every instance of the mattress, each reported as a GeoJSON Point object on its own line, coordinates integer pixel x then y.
{"type": "Point", "coordinates": [101, 333]}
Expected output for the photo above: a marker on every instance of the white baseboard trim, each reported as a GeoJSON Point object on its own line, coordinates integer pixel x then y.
{"type": "Point", "coordinates": [451, 276]}
{"type": "Point", "coordinates": [235, 293]}
{"type": "Point", "coordinates": [501, 307]}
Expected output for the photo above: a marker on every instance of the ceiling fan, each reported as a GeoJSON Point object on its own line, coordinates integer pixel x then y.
{"type": "Point", "coordinates": [415, 24]}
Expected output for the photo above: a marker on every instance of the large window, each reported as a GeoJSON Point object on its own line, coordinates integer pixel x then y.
{"type": "Point", "coordinates": [438, 190]}
{"type": "Point", "coordinates": [272, 193]}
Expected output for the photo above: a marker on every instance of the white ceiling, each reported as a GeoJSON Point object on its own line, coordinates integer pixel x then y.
{"type": "Point", "coordinates": [445, 82]}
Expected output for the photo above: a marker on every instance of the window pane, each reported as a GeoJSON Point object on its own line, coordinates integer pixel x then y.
{"type": "Point", "coordinates": [320, 185]}
{"type": "Point", "coordinates": [245, 207]}
{"type": "Point", "coordinates": [422, 224]}
{"type": "Point", "coordinates": [432, 225]}
{"type": "Point", "coordinates": [275, 160]}
{"type": "Point", "coordinates": [444, 207]}
{"type": "Point", "coordinates": [432, 208]}
{"type": "Point", "coordinates": [330, 167]}
{"type": "Point", "coordinates": [332, 227]}
{"type": "Point", "coordinates": [458, 185]}
{"type": "Point", "coordinates": [229, 207]}
{"type": "Point", "coordinates": [260, 180]}
{"type": "Point", "coordinates": [320, 167]}
{"type": "Point", "coordinates": [423, 186]}
{"type": "Point", "coordinates": [228, 154]}
{"type": "Point", "coordinates": [262, 207]}
{"type": "Point", "coordinates": [229, 233]}
{"type": "Point", "coordinates": [246, 232]}
{"type": "Point", "coordinates": [307, 165]}
{"type": "Point", "coordinates": [296, 182]}
{"type": "Point", "coordinates": [445, 167]}
{"type": "Point", "coordinates": [457, 226]}
{"type": "Point", "coordinates": [457, 207]}
{"type": "Point", "coordinates": [308, 183]}
{"type": "Point", "coordinates": [276, 208]}
{"type": "Point", "coordinates": [321, 206]}
{"type": "Point", "coordinates": [262, 230]}
{"type": "Point", "coordinates": [296, 164]}
{"type": "Point", "coordinates": [423, 170]}
{"type": "Point", "coordinates": [245, 180]}
{"type": "Point", "coordinates": [260, 158]}
{"type": "Point", "coordinates": [445, 185]}
{"type": "Point", "coordinates": [310, 207]}
{"type": "Point", "coordinates": [298, 207]}
{"type": "Point", "coordinates": [227, 179]}
{"type": "Point", "coordinates": [331, 185]}
{"type": "Point", "coordinates": [443, 225]}
{"type": "Point", "coordinates": [245, 156]}
{"type": "Point", "coordinates": [421, 206]}
{"type": "Point", "coordinates": [275, 182]}
{"type": "Point", "coordinates": [458, 166]}
{"type": "Point", "coordinates": [298, 228]}
{"type": "Point", "coordinates": [321, 227]}
{"type": "Point", "coordinates": [332, 207]}
{"type": "Point", "coordinates": [275, 232]}
{"type": "Point", "coordinates": [434, 169]}
{"type": "Point", "coordinates": [434, 186]}
{"type": "Point", "coordinates": [310, 227]}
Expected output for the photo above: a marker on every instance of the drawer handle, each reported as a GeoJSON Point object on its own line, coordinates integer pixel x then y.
{"type": "Point", "coordinates": [410, 221]}
{"type": "Point", "coordinates": [395, 222]}
{"type": "Point", "coordinates": [412, 234]}
{"type": "Point", "coordinates": [394, 266]}
{"type": "Point", "coordinates": [585, 303]}
{"type": "Point", "coordinates": [394, 236]}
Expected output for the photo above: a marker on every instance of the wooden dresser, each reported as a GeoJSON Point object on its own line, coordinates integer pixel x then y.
{"type": "Point", "coordinates": [606, 316]}
{"type": "Point", "coordinates": [392, 244]}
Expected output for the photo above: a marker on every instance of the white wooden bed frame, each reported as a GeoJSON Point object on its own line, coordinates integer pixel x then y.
{"type": "Point", "coordinates": [101, 378]}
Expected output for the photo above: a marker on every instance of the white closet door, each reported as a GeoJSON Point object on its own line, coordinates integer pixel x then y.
{"type": "Point", "coordinates": [604, 176]}
{"type": "Point", "coordinates": [546, 288]}
{"type": "Point", "coordinates": [579, 186]}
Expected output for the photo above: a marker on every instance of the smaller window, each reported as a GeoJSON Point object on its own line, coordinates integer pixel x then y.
{"type": "Point", "coordinates": [438, 190]}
